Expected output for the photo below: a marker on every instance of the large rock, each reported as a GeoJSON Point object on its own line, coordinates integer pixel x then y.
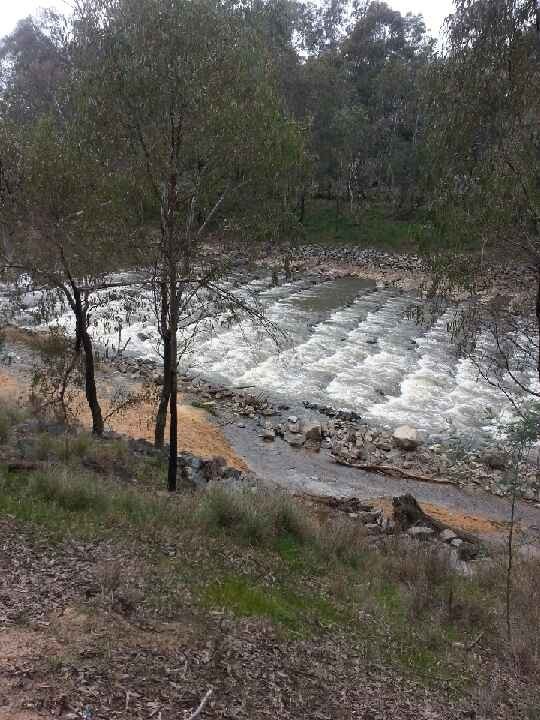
{"type": "Point", "coordinates": [406, 438]}
{"type": "Point", "coordinates": [293, 424]}
{"type": "Point", "coordinates": [294, 439]}
{"type": "Point", "coordinates": [313, 432]}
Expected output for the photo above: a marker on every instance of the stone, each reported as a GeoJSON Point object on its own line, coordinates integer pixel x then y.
{"type": "Point", "coordinates": [447, 536]}
{"type": "Point", "coordinates": [313, 432]}
{"type": "Point", "coordinates": [268, 435]}
{"type": "Point", "coordinates": [420, 532]}
{"type": "Point", "coordinates": [294, 439]}
{"type": "Point", "coordinates": [456, 542]}
{"type": "Point", "coordinates": [406, 438]}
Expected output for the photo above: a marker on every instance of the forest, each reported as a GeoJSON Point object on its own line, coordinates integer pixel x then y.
{"type": "Point", "coordinates": [270, 361]}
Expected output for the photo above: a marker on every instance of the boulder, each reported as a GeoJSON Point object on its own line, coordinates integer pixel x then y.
{"type": "Point", "coordinates": [293, 424]}
{"type": "Point", "coordinates": [294, 439]}
{"type": "Point", "coordinates": [406, 438]}
{"type": "Point", "coordinates": [268, 435]}
{"type": "Point", "coordinates": [313, 432]}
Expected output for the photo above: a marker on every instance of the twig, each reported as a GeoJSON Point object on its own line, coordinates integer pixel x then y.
{"type": "Point", "coordinates": [199, 710]}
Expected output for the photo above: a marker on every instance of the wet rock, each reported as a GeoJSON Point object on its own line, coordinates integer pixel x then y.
{"type": "Point", "coordinates": [313, 432]}
{"type": "Point", "coordinates": [268, 435]}
{"type": "Point", "coordinates": [295, 439]}
{"type": "Point", "coordinates": [406, 438]}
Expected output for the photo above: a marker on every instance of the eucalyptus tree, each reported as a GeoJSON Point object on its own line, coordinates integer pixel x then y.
{"type": "Point", "coordinates": [483, 143]}
{"type": "Point", "coordinates": [55, 216]}
{"type": "Point", "coordinates": [188, 89]}
{"type": "Point", "coordinates": [34, 63]}
{"type": "Point", "coordinates": [384, 55]}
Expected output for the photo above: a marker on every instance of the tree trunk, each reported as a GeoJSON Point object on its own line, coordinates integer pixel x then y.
{"type": "Point", "coordinates": [173, 429]}
{"type": "Point", "coordinates": [161, 416]}
{"type": "Point", "coordinates": [538, 318]}
{"type": "Point", "coordinates": [302, 208]}
{"type": "Point", "coordinates": [89, 367]}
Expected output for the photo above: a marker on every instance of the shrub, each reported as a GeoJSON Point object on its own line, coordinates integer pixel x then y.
{"type": "Point", "coordinates": [256, 518]}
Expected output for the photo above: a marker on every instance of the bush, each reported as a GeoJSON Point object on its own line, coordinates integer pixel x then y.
{"type": "Point", "coordinates": [255, 518]}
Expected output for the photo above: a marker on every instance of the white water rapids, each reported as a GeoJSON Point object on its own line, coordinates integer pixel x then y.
{"type": "Point", "coordinates": [348, 344]}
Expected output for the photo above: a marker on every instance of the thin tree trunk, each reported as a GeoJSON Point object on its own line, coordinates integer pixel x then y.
{"type": "Point", "coordinates": [161, 416]}
{"type": "Point", "coordinates": [302, 207]}
{"type": "Point", "coordinates": [510, 560]}
{"type": "Point", "coordinates": [89, 366]}
{"type": "Point", "coordinates": [173, 430]}
{"type": "Point", "coordinates": [538, 318]}
{"type": "Point", "coordinates": [172, 257]}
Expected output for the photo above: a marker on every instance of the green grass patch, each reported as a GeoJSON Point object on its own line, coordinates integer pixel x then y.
{"type": "Point", "coordinates": [372, 226]}
{"type": "Point", "coordinates": [67, 503]}
{"type": "Point", "coordinates": [256, 519]}
{"type": "Point", "coordinates": [246, 598]}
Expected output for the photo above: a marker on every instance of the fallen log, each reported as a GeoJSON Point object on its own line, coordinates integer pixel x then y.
{"type": "Point", "coordinates": [393, 471]}
{"type": "Point", "coordinates": [344, 504]}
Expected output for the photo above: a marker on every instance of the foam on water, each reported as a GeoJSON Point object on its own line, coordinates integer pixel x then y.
{"type": "Point", "coordinates": [346, 343]}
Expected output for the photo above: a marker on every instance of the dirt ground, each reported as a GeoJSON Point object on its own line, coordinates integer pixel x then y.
{"type": "Point", "coordinates": [198, 435]}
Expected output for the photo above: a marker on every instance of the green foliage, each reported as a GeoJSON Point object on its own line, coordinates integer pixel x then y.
{"type": "Point", "coordinates": [372, 226]}
{"type": "Point", "coordinates": [282, 605]}
{"type": "Point", "coordinates": [261, 519]}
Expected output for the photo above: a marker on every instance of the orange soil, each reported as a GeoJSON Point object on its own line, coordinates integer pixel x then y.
{"type": "Point", "coordinates": [474, 524]}
{"type": "Point", "coordinates": [197, 434]}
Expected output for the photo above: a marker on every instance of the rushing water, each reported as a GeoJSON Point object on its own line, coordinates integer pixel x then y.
{"type": "Point", "coordinates": [348, 343]}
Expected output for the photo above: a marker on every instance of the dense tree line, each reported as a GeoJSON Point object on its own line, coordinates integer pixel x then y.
{"type": "Point", "coordinates": [148, 133]}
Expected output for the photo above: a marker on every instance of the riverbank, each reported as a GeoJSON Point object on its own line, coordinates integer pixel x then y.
{"type": "Point", "coordinates": [241, 428]}
{"type": "Point", "coordinates": [117, 599]}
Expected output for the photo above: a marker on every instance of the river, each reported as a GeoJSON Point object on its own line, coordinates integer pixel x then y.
{"type": "Point", "coordinates": [347, 343]}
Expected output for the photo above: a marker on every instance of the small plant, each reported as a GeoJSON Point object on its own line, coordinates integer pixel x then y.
{"type": "Point", "coordinates": [57, 377]}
